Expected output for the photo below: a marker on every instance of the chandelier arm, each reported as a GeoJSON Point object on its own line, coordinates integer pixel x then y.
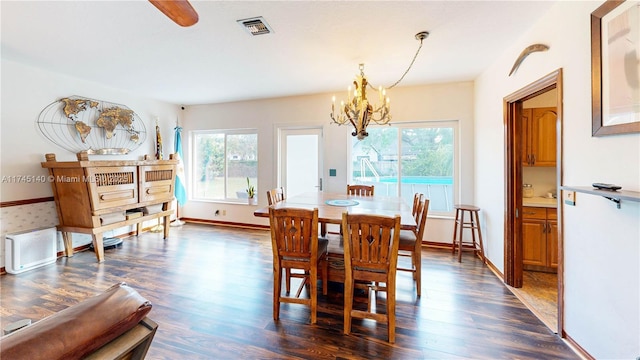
{"type": "Point", "coordinates": [408, 68]}
{"type": "Point", "coordinates": [358, 111]}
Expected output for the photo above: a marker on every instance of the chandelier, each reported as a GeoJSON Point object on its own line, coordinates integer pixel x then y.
{"type": "Point", "coordinates": [358, 111]}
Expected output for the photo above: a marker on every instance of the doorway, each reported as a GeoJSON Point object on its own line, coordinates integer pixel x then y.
{"type": "Point", "coordinates": [515, 157]}
{"type": "Point", "coordinates": [300, 160]}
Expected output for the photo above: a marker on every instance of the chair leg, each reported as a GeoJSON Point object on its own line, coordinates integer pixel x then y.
{"type": "Point", "coordinates": [460, 238]}
{"type": "Point", "coordinates": [313, 277]}
{"type": "Point", "coordinates": [348, 304]}
{"type": "Point", "coordinates": [417, 255]}
{"type": "Point", "coordinates": [287, 279]}
{"type": "Point", "coordinates": [473, 226]}
{"type": "Point", "coordinates": [277, 288]}
{"type": "Point", "coordinates": [391, 308]}
{"type": "Point", "coordinates": [484, 260]}
{"type": "Point", "coordinates": [325, 275]}
{"type": "Point", "coordinates": [455, 232]}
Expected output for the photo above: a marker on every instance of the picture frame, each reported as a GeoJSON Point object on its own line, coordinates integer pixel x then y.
{"type": "Point", "coordinates": [615, 68]}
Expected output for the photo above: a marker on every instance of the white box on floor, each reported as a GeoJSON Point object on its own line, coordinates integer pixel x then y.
{"type": "Point", "coordinates": [30, 249]}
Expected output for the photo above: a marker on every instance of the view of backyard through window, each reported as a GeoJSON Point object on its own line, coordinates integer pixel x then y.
{"type": "Point", "coordinates": [426, 164]}
{"type": "Point", "coordinates": [223, 160]}
{"type": "Point", "coordinates": [399, 161]}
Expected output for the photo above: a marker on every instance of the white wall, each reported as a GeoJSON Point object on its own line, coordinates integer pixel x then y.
{"type": "Point", "coordinates": [601, 243]}
{"type": "Point", "coordinates": [25, 92]}
{"type": "Point", "coordinates": [452, 101]}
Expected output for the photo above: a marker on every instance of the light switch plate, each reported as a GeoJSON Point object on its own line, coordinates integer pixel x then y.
{"type": "Point", "coordinates": [569, 197]}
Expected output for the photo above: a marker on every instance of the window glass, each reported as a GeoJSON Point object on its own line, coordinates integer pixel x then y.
{"type": "Point", "coordinates": [426, 164]}
{"type": "Point", "coordinates": [222, 162]}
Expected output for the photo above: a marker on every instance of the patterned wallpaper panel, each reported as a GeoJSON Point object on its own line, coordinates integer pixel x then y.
{"type": "Point", "coordinates": [41, 215]}
{"type": "Point", "coordinates": [28, 217]}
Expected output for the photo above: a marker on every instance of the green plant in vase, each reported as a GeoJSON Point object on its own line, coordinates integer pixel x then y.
{"type": "Point", "coordinates": [251, 190]}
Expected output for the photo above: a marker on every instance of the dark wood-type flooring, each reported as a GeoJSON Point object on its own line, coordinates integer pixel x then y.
{"type": "Point", "coordinates": [211, 289]}
{"type": "Point", "coordinates": [540, 292]}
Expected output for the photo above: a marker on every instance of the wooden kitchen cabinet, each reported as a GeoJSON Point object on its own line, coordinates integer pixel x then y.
{"type": "Point", "coordinates": [539, 136]}
{"type": "Point", "coordinates": [540, 239]}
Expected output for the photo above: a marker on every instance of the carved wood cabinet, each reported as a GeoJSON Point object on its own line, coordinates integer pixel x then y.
{"type": "Point", "coordinates": [539, 136]}
{"type": "Point", "coordinates": [94, 196]}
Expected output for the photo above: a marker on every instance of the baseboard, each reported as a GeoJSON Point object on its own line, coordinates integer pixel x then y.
{"type": "Point", "coordinates": [577, 348]}
{"type": "Point", "coordinates": [447, 246]}
{"type": "Point", "coordinates": [226, 223]}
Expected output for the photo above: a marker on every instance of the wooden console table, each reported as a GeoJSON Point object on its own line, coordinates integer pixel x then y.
{"type": "Point", "coordinates": [96, 196]}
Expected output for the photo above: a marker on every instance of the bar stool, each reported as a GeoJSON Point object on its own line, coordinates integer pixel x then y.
{"type": "Point", "coordinates": [473, 224]}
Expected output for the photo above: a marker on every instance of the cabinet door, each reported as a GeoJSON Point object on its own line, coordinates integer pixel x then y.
{"type": "Point", "coordinates": [552, 243]}
{"type": "Point", "coordinates": [534, 243]}
{"type": "Point", "coordinates": [112, 186]}
{"type": "Point", "coordinates": [525, 137]}
{"type": "Point", "coordinates": [156, 182]}
{"type": "Point", "coordinates": [543, 136]}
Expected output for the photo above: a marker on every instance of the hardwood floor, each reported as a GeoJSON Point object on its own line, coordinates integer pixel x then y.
{"type": "Point", "coordinates": [211, 293]}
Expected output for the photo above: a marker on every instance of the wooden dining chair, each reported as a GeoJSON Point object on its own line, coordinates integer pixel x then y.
{"type": "Point", "coordinates": [295, 245]}
{"type": "Point", "coordinates": [363, 190]}
{"type": "Point", "coordinates": [411, 243]}
{"type": "Point", "coordinates": [417, 198]}
{"type": "Point", "coordinates": [275, 195]}
{"type": "Point", "coordinates": [371, 256]}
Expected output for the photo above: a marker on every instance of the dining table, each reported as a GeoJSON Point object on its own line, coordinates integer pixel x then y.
{"type": "Point", "coordinates": [330, 208]}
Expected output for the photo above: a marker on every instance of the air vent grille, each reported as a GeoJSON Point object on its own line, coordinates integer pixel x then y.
{"type": "Point", "coordinates": [256, 26]}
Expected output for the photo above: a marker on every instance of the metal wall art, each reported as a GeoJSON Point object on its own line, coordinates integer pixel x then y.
{"type": "Point", "coordinates": [98, 127]}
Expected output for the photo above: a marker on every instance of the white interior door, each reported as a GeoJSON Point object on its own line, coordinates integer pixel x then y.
{"type": "Point", "coordinates": [300, 160]}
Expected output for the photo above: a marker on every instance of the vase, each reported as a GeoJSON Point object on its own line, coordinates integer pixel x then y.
{"type": "Point", "coordinates": [253, 201]}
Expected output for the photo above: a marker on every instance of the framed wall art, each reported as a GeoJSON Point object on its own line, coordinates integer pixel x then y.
{"type": "Point", "coordinates": [615, 68]}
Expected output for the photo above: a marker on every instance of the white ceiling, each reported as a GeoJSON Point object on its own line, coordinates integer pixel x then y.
{"type": "Point", "coordinates": [316, 46]}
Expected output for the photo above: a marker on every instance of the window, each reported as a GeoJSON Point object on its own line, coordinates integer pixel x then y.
{"type": "Point", "coordinates": [222, 162]}
{"type": "Point", "coordinates": [404, 159]}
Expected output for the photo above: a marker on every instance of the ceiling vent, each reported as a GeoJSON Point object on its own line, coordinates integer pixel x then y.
{"type": "Point", "coordinates": [256, 26]}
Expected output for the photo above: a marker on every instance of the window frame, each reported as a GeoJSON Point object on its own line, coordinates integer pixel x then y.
{"type": "Point", "coordinates": [193, 158]}
{"type": "Point", "coordinates": [400, 126]}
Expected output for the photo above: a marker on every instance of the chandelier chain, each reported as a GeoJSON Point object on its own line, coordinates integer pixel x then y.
{"type": "Point", "coordinates": [408, 68]}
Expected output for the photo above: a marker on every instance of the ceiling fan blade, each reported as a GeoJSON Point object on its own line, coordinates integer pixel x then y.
{"type": "Point", "coordinates": [180, 11]}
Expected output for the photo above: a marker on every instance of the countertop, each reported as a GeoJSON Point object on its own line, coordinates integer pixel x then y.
{"type": "Point", "coordinates": [539, 201]}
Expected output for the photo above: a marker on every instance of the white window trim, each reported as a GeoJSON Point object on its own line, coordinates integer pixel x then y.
{"type": "Point", "coordinates": [192, 157]}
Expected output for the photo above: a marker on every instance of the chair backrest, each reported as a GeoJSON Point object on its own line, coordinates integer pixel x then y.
{"type": "Point", "coordinates": [294, 235]}
{"type": "Point", "coordinates": [421, 217]}
{"type": "Point", "coordinates": [371, 243]}
{"type": "Point", "coordinates": [417, 198]}
{"type": "Point", "coordinates": [275, 195]}
{"type": "Point", "coordinates": [362, 190]}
